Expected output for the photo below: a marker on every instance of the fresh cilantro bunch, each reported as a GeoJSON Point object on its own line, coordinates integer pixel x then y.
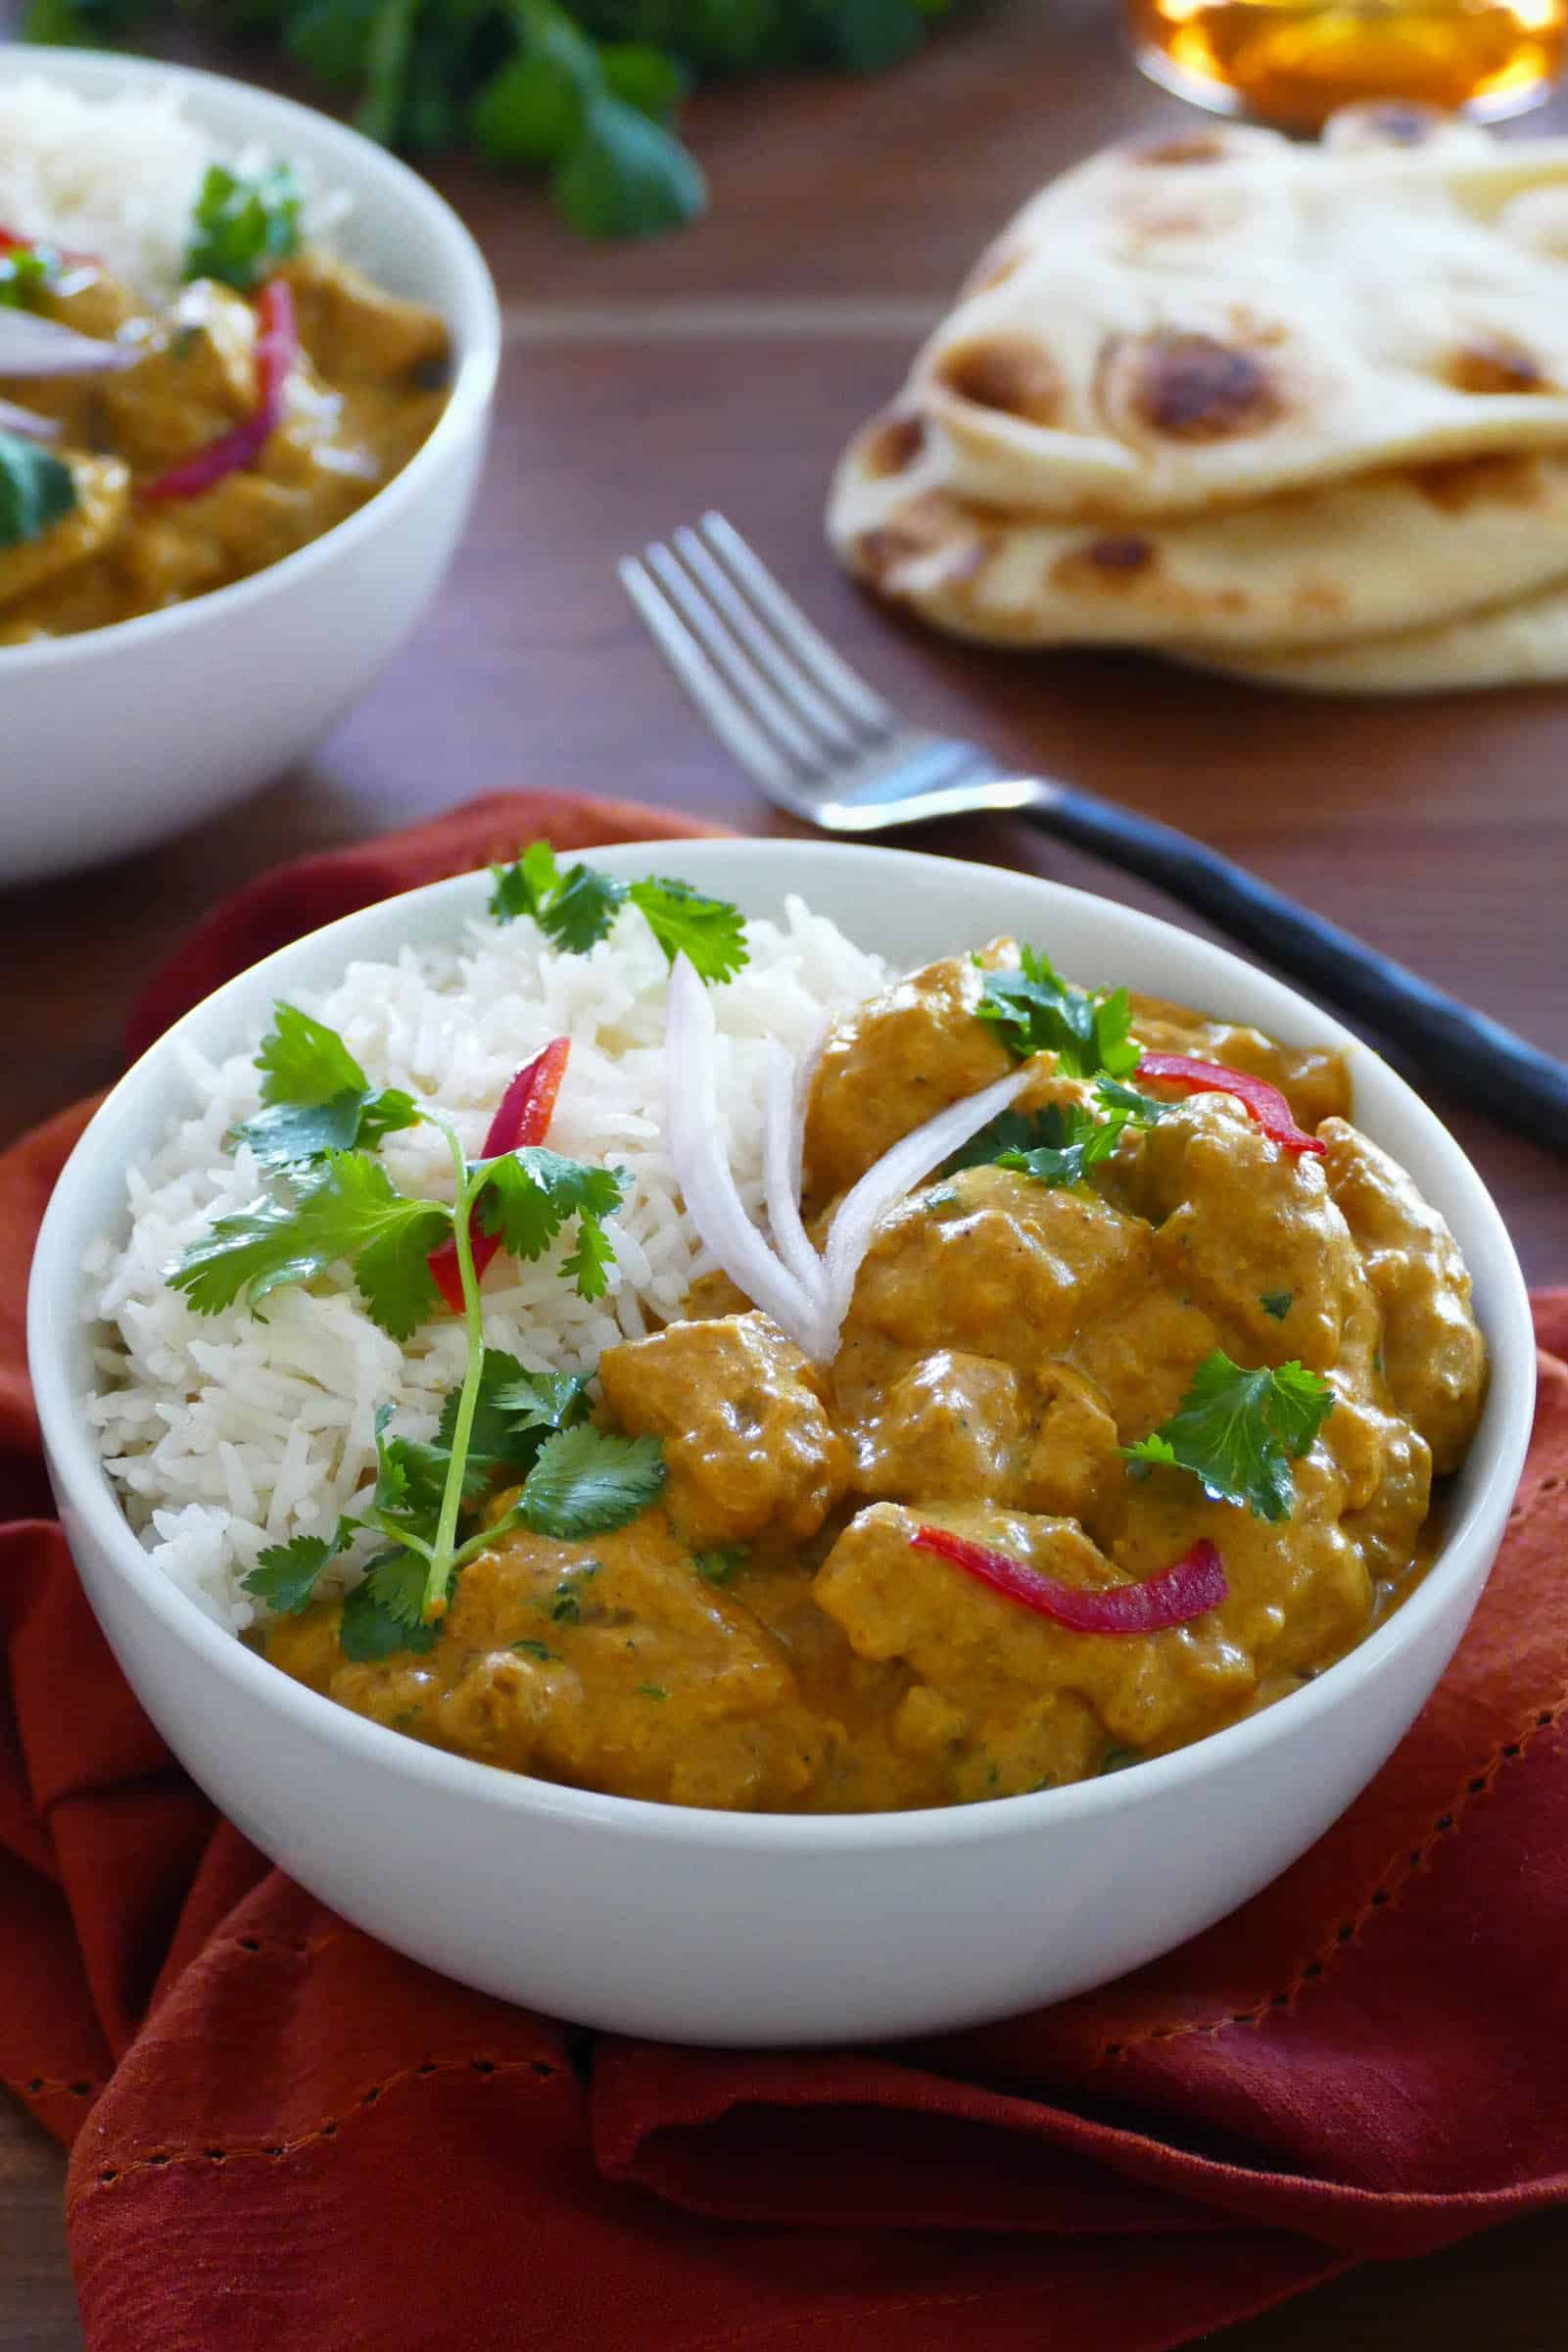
{"type": "Point", "coordinates": [575, 910]}
{"type": "Point", "coordinates": [1034, 1010]}
{"type": "Point", "coordinates": [36, 490]}
{"type": "Point", "coordinates": [586, 94]}
{"type": "Point", "coordinates": [1238, 1432]}
{"type": "Point", "coordinates": [331, 1202]}
{"type": "Point", "coordinates": [244, 224]}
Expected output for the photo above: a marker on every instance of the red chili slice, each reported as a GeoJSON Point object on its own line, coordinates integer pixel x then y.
{"type": "Point", "coordinates": [522, 1117]}
{"type": "Point", "coordinates": [278, 347]}
{"type": "Point", "coordinates": [1192, 1584]}
{"type": "Point", "coordinates": [1258, 1097]}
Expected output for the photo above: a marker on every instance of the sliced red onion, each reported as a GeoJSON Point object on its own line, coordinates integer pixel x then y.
{"type": "Point", "coordinates": [781, 1174]}
{"type": "Point", "coordinates": [22, 421]}
{"type": "Point", "coordinates": [31, 346]}
{"type": "Point", "coordinates": [702, 1171]}
{"type": "Point", "coordinates": [897, 1172]}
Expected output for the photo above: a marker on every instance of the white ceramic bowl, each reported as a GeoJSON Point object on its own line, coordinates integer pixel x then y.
{"type": "Point", "coordinates": [120, 736]}
{"type": "Point", "coordinates": [733, 1928]}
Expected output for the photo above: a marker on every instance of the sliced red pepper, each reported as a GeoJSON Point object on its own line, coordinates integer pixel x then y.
{"type": "Point", "coordinates": [1191, 1585]}
{"type": "Point", "coordinates": [1257, 1096]}
{"type": "Point", "coordinates": [278, 347]}
{"type": "Point", "coordinates": [522, 1117]}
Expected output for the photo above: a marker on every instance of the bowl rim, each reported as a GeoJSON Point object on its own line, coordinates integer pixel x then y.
{"type": "Point", "coordinates": [55, 1292]}
{"type": "Point", "coordinates": [474, 323]}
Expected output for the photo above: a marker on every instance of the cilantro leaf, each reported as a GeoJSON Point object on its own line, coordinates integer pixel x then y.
{"type": "Point", "coordinates": [352, 1212]}
{"type": "Point", "coordinates": [718, 1567]}
{"type": "Point", "coordinates": [36, 490]}
{"type": "Point", "coordinates": [574, 910]}
{"type": "Point", "coordinates": [586, 1482]}
{"type": "Point", "coordinates": [1037, 1010]}
{"type": "Point", "coordinates": [284, 1576]}
{"type": "Point", "coordinates": [316, 1097]}
{"type": "Point", "coordinates": [515, 1412]}
{"type": "Point", "coordinates": [624, 175]}
{"type": "Point", "coordinates": [709, 932]}
{"type": "Point", "coordinates": [529, 1195]}
{"type": "Point", "coordinates": [381, 1615]}
{"type": "Point", "coordinates": [1238, 1431]}
{"type": "Point", "coordinates": [244, 224]}
{"type": "Point", "coordinates": [542, 1400]}
{"type": "Point", "coordinates": [26, 273]}
{"type": "Point", "coordinates": [1277, 1303]}
{"type": "Point", "coordinates": [1071, 1141]}
{"type": "Point", "coordinates": [1141, 1110]}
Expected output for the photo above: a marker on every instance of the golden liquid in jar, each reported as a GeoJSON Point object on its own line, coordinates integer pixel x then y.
{"type": "Point", "coordinates": [1293, 62]}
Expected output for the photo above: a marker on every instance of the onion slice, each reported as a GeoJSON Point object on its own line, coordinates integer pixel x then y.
{"type": "Point", "coordinates": [1189, 1588]}
{"type": "Point", "coordinates": [703, 1174]}
{"type": "Point", "coordinates": [897, 1172]}
{"type": "Point", "coordinates": [781, 1175]}
{"type": "Point", "coordinates": [22, 421]}
{"type": "Point", "coordinates": [31, 346]}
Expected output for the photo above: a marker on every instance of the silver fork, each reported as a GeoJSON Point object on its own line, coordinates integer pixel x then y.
{"type": "Point", "coordinates": [821, 742]}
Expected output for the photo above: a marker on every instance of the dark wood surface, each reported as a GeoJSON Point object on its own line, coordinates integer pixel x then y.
{"type": "Point", "coordinates": [724, 367]}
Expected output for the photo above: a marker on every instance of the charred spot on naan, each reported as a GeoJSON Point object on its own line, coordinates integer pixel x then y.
{"type": "Point", "coordinates": [1007, 373]}
{"type": "Point", "coordinates": [1503, 478]}
{"type": "Point", "coordinates": [1496, 364]}
{"type": "Point", "coordinates": [932, 524]}
{"type": "Point", "coordinates": [892, 443]}
{"type": "Point", "coordinates": [1192, 386]}
{"type": "Point", "coordinates": [1106, 566]}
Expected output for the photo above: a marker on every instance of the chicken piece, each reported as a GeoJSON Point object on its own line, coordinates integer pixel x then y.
{"type": "Point", "coordinates": [1039, 1700]}
{"type": "Point", "coordinates": [1249, 1233]}
{"type": "Point", "coordinates": [356, 330]}
{"type": "Point", "coordinates": [1434, 1357]}
{"type": "Point", "coordinates": [989, 1263]}
{"type": "Point", "coordinates": [93, 524]}
{"type": "Point", "coordinates": [970, 1430]}
{"type": "Point", "coordinates": [1314, 1079]}
{"type": "Point", "coordinates": [194, 381]}
{"type": "Point", "coordinates": [893, 1063]}
{"type": "Point", "coordinates": [747, 1441]}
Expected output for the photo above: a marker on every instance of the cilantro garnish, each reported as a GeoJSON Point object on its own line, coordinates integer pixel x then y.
{"type": "Point", "coordinates": [718, 1567]}
{"type": "Point", "coordinates": [539, 1649]}
{"type": "Point", "coordinates": [36, 490]}
{"type": "Point", "coordinates": [575, 910]}
{"type": "Point", "coordinates": [316, 1097]}
{"type": "Point", "coordinates": [334, 1203]}
{"type": "Point", "coordinates": [1238, 1431]}
{"type": "Point", "coordinates": [651, 1690]}
{"type": "Point", "coordinates": [244, 224]}
{"type": "Point", "coordinates": [1059, 1143]}
{"type": "Point", "coordinates": [1277, 1303]}
{"type": "Point", "coordinates": [285, 1575]}
{"type": "Point", "coordinates": [26, 273]}
{"type": "Point", "coordinates": [586, 1482]}
{"type": "Point", "coordinates": [1037, 1010]}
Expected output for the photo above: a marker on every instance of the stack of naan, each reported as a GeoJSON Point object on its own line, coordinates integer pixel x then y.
{"type": "Point", "coordinates": [1299, 413]}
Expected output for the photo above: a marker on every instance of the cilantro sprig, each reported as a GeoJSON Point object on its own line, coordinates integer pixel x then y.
{"type": "Point", "coordinates": [332, 1203]}
{"type": "Point", "coordinates": [1036, 1011]}
{"type": "Point", "coordinates": [244, 224]}
{"type": "Point", "coordinates": [36, 490]}
{"type": "Point", "coordinates": [1238, 1432]}
{"type": "Point", "coordinates": [575, 910]}
{"type": "Point", "coordinates": [1059, 1143]}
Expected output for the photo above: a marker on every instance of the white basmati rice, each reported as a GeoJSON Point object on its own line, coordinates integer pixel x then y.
{"type": "Point", "coordinates": [226, 1433]}
{"type": "Point", "coordinates": [118, 178]}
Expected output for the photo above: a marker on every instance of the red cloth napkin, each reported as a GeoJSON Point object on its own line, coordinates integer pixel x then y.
{"type": "Point", "coordinates": [285, 2135]}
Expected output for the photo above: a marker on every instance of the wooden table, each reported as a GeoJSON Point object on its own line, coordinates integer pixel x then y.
{"type": "Point", "coordinates": [724, 367]}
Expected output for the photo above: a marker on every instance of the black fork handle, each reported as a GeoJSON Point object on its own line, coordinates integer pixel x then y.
{"type": "Point", "coordinates": [1461, 1049]}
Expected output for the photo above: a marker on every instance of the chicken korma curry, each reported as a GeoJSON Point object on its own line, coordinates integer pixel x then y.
{"type": "Point", "coordinates": [152, 451]}
{"type": "Point", "coordinates": [1124, 1425]}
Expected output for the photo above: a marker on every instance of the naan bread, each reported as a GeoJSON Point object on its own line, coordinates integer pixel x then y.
{"type": "Point", "coordinates": [1520, 644]}
{"type": "Point", "coordinates": [1211, 319]}
{"type": "Point", "coordinates": [1392, 550]}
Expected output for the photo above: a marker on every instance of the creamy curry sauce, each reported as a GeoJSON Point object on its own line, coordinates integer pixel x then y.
{"type": "Point", "coordinates": [362, 397]}
{"type": "Point", "coordinates": [767, 1638]}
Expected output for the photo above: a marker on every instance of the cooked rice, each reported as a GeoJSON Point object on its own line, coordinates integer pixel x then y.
{"type": "Point", "coordinates": [117, 177]}
{"type": "Point", "coordinates": [228, 1433]}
